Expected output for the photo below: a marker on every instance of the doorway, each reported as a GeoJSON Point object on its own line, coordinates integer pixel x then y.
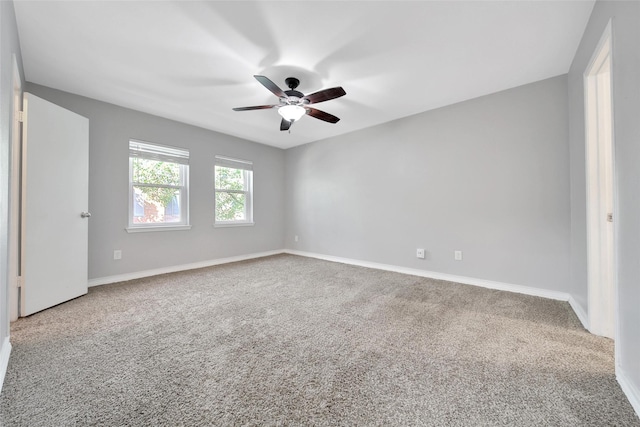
{"type": "Point", "coordinates": [600, 180]}
{"type": "Point", "coordinates": [13, 270]}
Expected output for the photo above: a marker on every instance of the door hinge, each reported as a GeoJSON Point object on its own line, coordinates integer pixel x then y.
{"type": "Point", "coordinates": [19, 281]}
{"type": "Point", "coordinates": [20, 116]}
{"type": "Point", "coordinates": [610, 217]}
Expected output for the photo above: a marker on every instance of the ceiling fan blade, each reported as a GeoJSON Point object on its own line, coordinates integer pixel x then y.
{"type": "Point", "coordinates": [285, 124]}
{"type": "Point", "coordinates": [271, 86]}
{"type": "Point", "coordinates": [325, 95]}
{"type": "Point", "coordinates": [322, 115]}
{"type": "Point", "coordinates": [257, 107]}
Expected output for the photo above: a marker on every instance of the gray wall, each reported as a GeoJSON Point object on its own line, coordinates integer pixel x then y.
{"type": "Point", "coordinates": [487, 176]}
{"type": "Point", "coordinates": [110, 128]}
{"type": "Point", "coordinates": [9, 45]}
{"type": "Point", "coordinates": [626, 107]}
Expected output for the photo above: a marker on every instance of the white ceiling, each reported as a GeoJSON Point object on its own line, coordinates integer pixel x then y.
{"type": "Point", "coordinates": [193, 61]}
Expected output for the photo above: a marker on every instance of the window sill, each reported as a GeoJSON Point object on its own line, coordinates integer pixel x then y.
{"type": "Point", "coordinates": [233, 224]}
{"type": "Point", "coordinates": [158, 228]}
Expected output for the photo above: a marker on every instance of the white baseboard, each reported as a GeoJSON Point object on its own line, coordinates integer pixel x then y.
{"type": "Point", "coordinates": [544, 293]}
{"type": "Point", "coordinates": [582, 315]}
{"type": "Point", "coordinates": [527, 290]}
{"type": "Point", "coordinates": [5, 352]}
{"type": "Point", "coordinates": [632, 392]}
{"type": "Point", "coordinates": [156, 271]}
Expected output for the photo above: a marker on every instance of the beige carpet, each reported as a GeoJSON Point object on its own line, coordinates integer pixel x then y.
{"type": "Point", "coordinates": [287, 340]}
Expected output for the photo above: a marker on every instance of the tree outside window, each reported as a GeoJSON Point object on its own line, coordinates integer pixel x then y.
{"type": "Point", "coordinates": [158, 185]}
{"type": "Point", "coordinates": [233, 191]}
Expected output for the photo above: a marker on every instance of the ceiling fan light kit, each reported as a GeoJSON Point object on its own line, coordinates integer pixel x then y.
{"type": "Point", "coordinates": [294, 104]}
{"type": "Point", "coordinates": [291, 113]}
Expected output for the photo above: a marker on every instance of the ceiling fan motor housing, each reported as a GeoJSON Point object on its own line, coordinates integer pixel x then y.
{"type": "Point", "coordinates": [293, 83]}
{"type": "Point", "coordinates": [294, 93]}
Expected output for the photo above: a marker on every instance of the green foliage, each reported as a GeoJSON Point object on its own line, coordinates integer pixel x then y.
{"type": "Point", "coordinates": [156, 172]}
{"type": "Point", "coordinates": [229, 178]}
{"type": "Point", "coordinates": [230, 206]}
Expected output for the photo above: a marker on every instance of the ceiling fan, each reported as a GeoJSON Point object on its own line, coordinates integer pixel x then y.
{"type": "Point", "coordinates": [293, 104]}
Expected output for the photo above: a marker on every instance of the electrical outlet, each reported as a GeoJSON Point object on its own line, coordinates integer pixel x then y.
{"type": "Point", "coordinates": [420, 253]}
{"type": "Point", "coordinates": [457, 255]}
{"type": "Point", "coordinates": [295, 238]}
{"type": "Point", "coordinates": [117, 254]}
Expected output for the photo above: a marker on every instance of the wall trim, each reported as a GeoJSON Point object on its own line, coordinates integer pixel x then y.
{"type": "Point", "coordinates": [582, 315]}
{"type": "Point", "coordinates": [174, 268]}
{"type": "Point", "coordinates": [489, 284]}
{"type": "Point", "coordinates": [629, 389]}
{"type": "Point", "coordinates": [5, 352]}
{"type": "Point", "coordinates": [501, 286]}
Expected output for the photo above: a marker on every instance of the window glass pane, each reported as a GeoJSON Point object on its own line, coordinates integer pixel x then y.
{"type": "Point", "coordinates": [229, 178]}
{"type": "Point", "coordinates": [147, 171]}
{"type": "Point", "coordinates": [153, 205]}
{"type": "Point", "coordinates": [230, 206]}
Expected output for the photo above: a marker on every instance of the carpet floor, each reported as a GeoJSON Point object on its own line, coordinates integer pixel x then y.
{"type": "Point", "coordinates": [287, 340]}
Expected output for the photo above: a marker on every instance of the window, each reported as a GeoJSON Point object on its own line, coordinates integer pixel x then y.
{"type": "Point", "coordinates": [158, 187]}
{"type": "Point", "coordinates": [233, 192]}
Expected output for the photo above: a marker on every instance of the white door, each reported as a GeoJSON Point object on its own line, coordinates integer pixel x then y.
{"type": "Point", "coordinates": [55, 178]}
{"type": "Point", "coordinates": [600, 190]}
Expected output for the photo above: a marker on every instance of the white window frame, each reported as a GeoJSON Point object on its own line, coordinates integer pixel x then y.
{"type": "Point", "coordinates": [152, 151]}
{"type": "Point", "coordinates": [247, 167]}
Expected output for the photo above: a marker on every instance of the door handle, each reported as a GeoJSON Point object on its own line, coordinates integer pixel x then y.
{"type": "Point", "coordinates": [85, 214]}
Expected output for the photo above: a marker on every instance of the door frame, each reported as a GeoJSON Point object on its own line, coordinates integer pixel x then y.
{"type": "Point", "coordinates": [13, 269]}
{"type": "Point", "coordinates": [599, 155]}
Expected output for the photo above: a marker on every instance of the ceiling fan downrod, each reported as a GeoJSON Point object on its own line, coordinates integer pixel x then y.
{"type": "Point", "coordinates": [292, 82]}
